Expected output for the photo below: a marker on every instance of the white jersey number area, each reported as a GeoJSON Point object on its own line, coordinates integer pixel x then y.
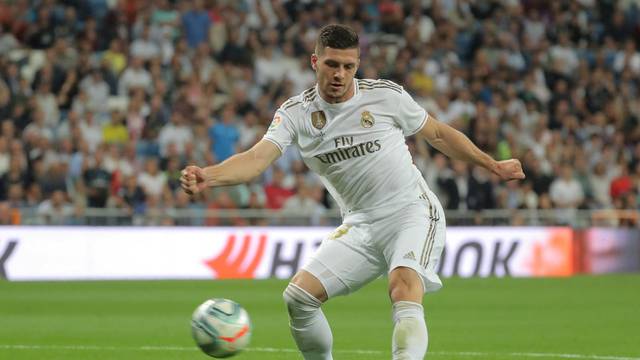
{"type": "Point", "coordinates": [357, 146]}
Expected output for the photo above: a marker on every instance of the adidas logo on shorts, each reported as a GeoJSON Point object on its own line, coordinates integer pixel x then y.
{"type": "Point", "coordinates": [410, 256]}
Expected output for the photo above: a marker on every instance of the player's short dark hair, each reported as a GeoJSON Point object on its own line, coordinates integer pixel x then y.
{"type": "Point", "coordinates": [337, 36]}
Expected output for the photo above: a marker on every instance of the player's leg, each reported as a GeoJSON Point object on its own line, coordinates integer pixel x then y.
{"type": "Point", "coordinates": [413, 255]}
{"type": "Point", "coordinates": [303, 296]}
{"type": "Point", "coordinates": [410, 337]}
{"type": "Point", "coordinates": [341, 265]}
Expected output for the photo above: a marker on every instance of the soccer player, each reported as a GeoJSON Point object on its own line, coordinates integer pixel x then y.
{"type": "Point", "coordinates": [351, 132]}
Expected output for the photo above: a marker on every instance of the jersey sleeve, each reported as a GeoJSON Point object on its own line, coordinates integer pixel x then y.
{"type": "Point", "coordinates": [411, 117]}
{"type": "Point", "coordinates": [280, 131]}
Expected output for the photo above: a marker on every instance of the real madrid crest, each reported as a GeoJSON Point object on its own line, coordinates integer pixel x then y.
{"type": "Point", "coordinates": [367, 120]}
{"type": "Point", "coordinates": [318, 119]}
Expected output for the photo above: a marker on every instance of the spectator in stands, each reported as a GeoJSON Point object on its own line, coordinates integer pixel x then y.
{"type": "Point", "coordinates": [304, 207]}
{"type": "Point", "coordinates": [276, 193]}
{"type": "Point", "coordinates": [5, 214]}
{"type": "Point", "coordinates": [144, 47]}
{"type": "Point", "coordinates": [177, 132]}
{"type": "Point", "coordinates": [189, 213]}
{"type": "Point", "coordinates": [38, 128]}
{"type": "Point", "coordinates": [68, 92]}
{"type": "Point", "coordinates": [256, 201]}
{"type": "Point", "coordinates": [91, 131]}
{"type": "Point", "coordinates": [566, 192]}
{"type": "Point", "coordinates": [131, 195]}
{"type": "Point", "coordinates": [96, 181]}
{"type": "Point", "coordinates": [41, 35]}
{"type": "Point", "coordinates": [54, 179]}
{"type": "Point", "coordinates": [530, 199]}
{"type": "Point", "coordinates": [158, 117]}
{"type": "Point", "coordinates": [56, 210]}
{"type": "Point", "coordinates": [97, 91]}
{"type": "Point", "coordinates": [12, 78]}
{"type": "Point", "coordinates": [621, 184]}
{"type": "Point", "coordinates": [5, 99]}
{"type": "Point", "coordinates": [249, 130]}
{"type": "Point", "coordinates": [8, 41]}
{"type": "Point", "coordinates": [7, 130]}
{"type": "Point", "coordinates": [173, 171]}
{"type": "Point", "coordinates": [134, 76]}
{"type": "Point", "coordinates": [65, 56]}
{"type": "Point", "coordinates": [223, 203]}
{"type": "Point", "coordinates": [200, 148]}
{"type": "Point", "coordinates": [5, 157]}
{"type": "Point", "coordinates": [16, 195]}
{"type": "Point", "coordinates": [234, 52]}
{"type": "Point", "coordinates": [118, 166]}
{"type": "Point", "coordinates": [480, 190]}
{"type": "Point", "coordinates": [165, 17]}
{"type": "Point", "coordinates": [446, 184]}
{"type": "Point", "coordinates": [115, 132]}
{"type": "Point", "coordinates": [224, 134]}
{"type": "Point", "coordinates": [154, 211]}
{"type": "Point", "coordinates": [196, 23]}
{"type": "Point", "coordinates": [135, 117]}
{"type": "Point", "coordinates": [49, 73]}
{"type": "Point", "coordinates": [627, 58]}
{"type": "Point", "coordinates": [115, 58]}
{"type": "Point", "coordinates": [69, 26]}
{"type": "Point", "coordinates": [152, 180]}
{"type": "Point", "coordinates": [16, 175]}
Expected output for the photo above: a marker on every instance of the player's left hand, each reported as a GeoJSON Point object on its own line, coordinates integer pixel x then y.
{"type": "Point", "coordinates": [509, 170]}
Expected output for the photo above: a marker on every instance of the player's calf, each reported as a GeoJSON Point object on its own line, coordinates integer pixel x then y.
{"type": "Point", "coordinates": [308, 324]}
{"type": "Point", "coordinates": [410, 337]}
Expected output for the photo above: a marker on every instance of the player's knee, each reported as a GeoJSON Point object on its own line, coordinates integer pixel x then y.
{"type": "Point", "coordinates": [399, 292]}
{"type": "Point", "coordinates": [403, 289]}
{"type": "Point", "coordinates": [299, 301]}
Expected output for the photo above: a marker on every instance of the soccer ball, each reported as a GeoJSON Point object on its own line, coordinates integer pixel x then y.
{"type": "Point", "coordinates": [221, 327]}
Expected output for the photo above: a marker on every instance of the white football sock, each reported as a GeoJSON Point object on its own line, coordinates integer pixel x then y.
{"type": "Point", "coordinates": [410, 337]}
{"type": "Point", "coordinates": [308, 324]}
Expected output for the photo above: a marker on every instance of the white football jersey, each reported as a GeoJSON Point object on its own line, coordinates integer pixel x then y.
{"type": "Point", "coordinates": [357, 147]}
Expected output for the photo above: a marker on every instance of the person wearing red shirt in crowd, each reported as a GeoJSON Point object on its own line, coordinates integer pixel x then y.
{"type": "Point", "coordinates": [276, 193]}
{"type": "Point", "coordinates": [622, 184]}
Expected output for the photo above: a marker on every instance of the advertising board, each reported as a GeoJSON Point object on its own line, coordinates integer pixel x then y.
{"type": "Point", "coordinates": [92, 253]}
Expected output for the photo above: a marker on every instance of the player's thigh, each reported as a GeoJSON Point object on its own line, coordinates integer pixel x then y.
{"type": "Point", "coordinates": [311, 284]}
{"type": "Point", "coordinates": [417, 241]}
{"type": "Point", "coordinates": [345, 262]}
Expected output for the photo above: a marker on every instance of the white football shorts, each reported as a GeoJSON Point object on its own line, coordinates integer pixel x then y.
{"type": "Point", "coordinates": [355, 254]}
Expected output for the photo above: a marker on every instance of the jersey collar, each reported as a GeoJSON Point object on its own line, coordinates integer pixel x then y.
{"type": "Point", "coordinates": [356, 95]}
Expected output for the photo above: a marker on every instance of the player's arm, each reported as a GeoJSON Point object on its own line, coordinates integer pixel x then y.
{"type": "Point", "coordinates": [456, 145]}
{"type": "Point", "coordinates": [239, 168]}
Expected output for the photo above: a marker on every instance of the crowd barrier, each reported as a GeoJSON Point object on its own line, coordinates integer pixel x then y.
{"type": "Point", "coordinates": [101, 253]}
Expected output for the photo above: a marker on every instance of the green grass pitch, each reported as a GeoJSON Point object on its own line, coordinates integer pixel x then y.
{"type": "Point", "coordinates": [595, 317]}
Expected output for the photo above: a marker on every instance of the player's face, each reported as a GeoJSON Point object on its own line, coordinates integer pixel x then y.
{"type": "Point", "coordinates": [335, 69]}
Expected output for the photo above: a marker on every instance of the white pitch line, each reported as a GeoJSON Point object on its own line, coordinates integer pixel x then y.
{"type": "Point", "coordinates": [577, 356]}
{"type": "Point", "coordinates": [285, 350]}
{"type": "Point", "coordinates": [534, 355]}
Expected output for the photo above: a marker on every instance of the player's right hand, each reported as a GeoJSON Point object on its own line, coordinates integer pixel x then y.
{"type": "Point", "coordinates": [509, 170]}
{"type": "Point", "coordinates": [193, 179]}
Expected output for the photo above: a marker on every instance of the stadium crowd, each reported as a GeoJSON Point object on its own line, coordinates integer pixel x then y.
{"type": "Point", "coordinates": [102, 103]}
